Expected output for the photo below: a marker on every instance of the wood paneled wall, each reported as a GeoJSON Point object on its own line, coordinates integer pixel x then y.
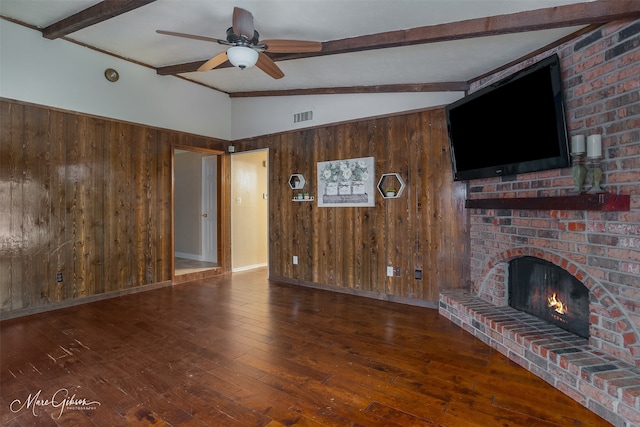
{"type": "Point", "coordinates": [92, 198]}
{"type": "Point", "coordinates": [84, 196]}
{"type": "Point", "coordinates": [349, 248]}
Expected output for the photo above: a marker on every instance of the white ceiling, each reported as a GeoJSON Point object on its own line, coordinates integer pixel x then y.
{"type": "Point", "coordinates": [132, 35]}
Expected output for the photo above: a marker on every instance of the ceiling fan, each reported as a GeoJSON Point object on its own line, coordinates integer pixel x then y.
{"type": "Point", "coordinates": [246, 50]}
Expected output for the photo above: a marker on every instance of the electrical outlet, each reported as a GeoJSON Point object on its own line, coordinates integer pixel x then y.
{"type": "Point", "coordinates": [295, 259]}
{"type": "Point", "coordinates": [389, 271]}
{"type": "Point", "coordinates": [418, 274]}
{"type": "Point", "coordinates": [396, 271]}
{"type": "Point", "coordinates": [59, 277]}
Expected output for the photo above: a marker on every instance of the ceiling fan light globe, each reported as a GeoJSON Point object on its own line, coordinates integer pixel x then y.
{"type": "Point", "coordinates": [242, 57]}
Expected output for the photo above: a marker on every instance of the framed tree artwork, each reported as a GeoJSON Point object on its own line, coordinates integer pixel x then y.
{"type": "Point", "coordinates": [343, 183]}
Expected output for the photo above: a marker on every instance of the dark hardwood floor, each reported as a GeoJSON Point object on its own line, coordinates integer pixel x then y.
{"type": "Point", "coordinates": [238, 350]}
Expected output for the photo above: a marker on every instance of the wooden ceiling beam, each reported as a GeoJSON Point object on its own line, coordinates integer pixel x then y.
{"type": "Point", "coordinates": [413, 87]}
{"type": "Point", "coordinates": [95, 14]}
{"type": "Point", "coordinates": [597, 12]}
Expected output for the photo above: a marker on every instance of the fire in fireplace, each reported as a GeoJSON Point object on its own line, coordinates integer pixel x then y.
{"type": "Point", "coordinates": [549, 292]}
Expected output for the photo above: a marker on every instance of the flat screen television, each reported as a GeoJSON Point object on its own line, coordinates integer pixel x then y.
{"type": "Point", "coordinates": [513, 126]}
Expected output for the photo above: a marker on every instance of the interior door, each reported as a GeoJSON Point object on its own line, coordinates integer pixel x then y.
{"type": "Point", "coordinates": [209, 208]}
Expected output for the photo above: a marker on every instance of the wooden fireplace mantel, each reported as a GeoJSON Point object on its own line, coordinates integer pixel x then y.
{"type": "Point", "coordinates": [579, 202]}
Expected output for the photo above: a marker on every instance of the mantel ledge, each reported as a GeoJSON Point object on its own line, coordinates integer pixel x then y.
{"type": "Point", "coordinates": [578, 202]}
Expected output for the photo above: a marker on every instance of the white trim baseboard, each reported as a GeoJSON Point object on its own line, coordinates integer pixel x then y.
{"type": "Point", "coordinates": [249, 267]}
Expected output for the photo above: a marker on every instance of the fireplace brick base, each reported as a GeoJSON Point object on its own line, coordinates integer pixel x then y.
{"type": "Point", "coordinates": [607, 386]}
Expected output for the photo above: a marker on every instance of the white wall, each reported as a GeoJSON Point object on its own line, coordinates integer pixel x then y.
{"type": "Point", "coordinates": [61, 74]}
{"type": "Point", "coordinates": [264, 115]}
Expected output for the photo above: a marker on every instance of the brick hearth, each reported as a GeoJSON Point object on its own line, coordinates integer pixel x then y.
{"type": "Point", "coordinates": [604, 384]}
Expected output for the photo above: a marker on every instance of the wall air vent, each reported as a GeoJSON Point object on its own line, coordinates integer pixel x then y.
{"type": "Point", "coordinates": [305, 116]}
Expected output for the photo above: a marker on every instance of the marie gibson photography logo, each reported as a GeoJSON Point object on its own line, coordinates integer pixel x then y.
{"type": "Point", "coordinates": [60, 399]}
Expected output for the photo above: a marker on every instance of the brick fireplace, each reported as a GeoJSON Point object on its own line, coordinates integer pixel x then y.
{"type": "Point", "coordinates": [598, 244]}
{"type": "Point", "coordinates": [607, 382]}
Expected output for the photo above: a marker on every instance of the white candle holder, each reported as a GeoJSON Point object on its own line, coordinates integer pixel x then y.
{"type": "Point", "coordinates": [594, 164]}
{"type": "Point", "coordinates": [578, 171]}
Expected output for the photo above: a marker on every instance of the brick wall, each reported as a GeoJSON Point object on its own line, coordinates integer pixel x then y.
{"type": "Point", "coordinates": [601, 73]}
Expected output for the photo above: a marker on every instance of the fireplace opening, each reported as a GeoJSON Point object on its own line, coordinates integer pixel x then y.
{"type": "Point", "coordinates": [549, 292]}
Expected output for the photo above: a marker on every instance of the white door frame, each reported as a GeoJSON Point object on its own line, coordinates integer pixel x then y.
{"type": "Point", "coordinates": [209, 203]}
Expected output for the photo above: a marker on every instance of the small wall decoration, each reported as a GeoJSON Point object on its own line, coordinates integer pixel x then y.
{"type": "Point", "coordinates": [346, 182]}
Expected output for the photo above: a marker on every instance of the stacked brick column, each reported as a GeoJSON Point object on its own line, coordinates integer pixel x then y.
{"type": "Point", "coordinates": [601, 77]}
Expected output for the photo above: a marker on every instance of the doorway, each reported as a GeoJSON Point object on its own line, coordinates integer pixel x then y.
{"type": "Point", "coordinates": [249, 210]}
{"type": "Point", "coordinates": [195, 211]}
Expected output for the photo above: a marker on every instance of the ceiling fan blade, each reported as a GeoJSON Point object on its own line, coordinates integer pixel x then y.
{"type": "Point", "coordinates": [214, 62]}
{"type": "Point", "coordinates": [291, 46]}
{"type": "Point", "coordinates": [188, 36]}
{"type": "Point", "coordinates": [267, 65]}
{"type": "Point", "coordinates": [243, 23]}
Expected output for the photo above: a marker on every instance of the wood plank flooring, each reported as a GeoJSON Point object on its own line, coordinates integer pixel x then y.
{"type": "Point", "coordinates": [238, 350]}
